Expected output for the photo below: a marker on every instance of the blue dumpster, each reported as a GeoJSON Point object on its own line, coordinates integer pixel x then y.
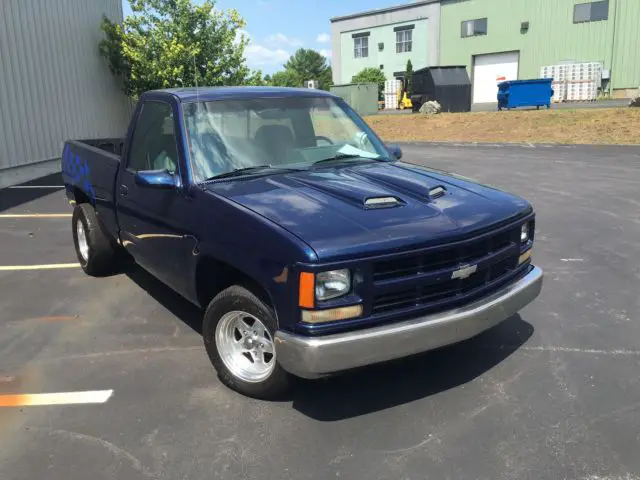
{"type": "Point", "coordinates": [525, 93]}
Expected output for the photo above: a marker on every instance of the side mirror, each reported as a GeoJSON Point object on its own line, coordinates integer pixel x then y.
{"type": "Point", "coordinates": [160, 179]}
{"type": "Point", "coordinates": [395, 151]}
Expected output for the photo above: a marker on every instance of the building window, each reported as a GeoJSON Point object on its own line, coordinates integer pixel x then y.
{"type": "Point", "coordinates": [404, 41]}
{"type": "Point", "coordinates": [361, 47]}
{"type": "Point", "coordinates": [471, 28]}
{"type": "Point", "coordinates": [591, 12]}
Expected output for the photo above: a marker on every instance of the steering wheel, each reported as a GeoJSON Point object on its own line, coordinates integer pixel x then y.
{"type": "Point", "coordinates": [322, 137]}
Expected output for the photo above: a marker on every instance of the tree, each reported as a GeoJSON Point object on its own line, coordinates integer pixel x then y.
{"type": "Point", "coordinates": [310, 65]}
{"type": "Point", "coordinates": [408, 75]}
{"type": "Point", "coordinates": [371, 75]}
{"type": "Point", "coordinates": [175, 43]}
{"type": "Point", "coordinates": [286, 78]}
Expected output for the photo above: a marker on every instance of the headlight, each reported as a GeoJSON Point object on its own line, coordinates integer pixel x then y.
{"type": "Point", "coordinates": [525, 233]}
{"type": "Point", "coordinates": [332, 284]}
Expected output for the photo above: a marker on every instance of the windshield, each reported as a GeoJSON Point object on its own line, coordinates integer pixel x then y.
{"type": "Point", "coordinates": [274, 133]}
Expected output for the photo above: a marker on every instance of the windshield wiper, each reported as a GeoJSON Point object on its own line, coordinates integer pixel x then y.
{"type": "Point", "coordinates": [256, 168]}
{"type": "Point", "coordinates": [341, 156]}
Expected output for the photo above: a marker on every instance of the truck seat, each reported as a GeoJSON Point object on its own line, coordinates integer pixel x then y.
{"type": "Point", "coordinates": [276, 141]}
{"type": "Point", "coordinates": [167, 156]}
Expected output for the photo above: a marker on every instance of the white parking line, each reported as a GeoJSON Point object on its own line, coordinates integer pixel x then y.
{"type": "Point", "coordinates": [35, 186]}
{"type": "Point", "coordinates": [35, 215]}
{"type": "Point", "coordinates": [63, 398]}
{"type": "Point", "coordinates": [51, 266]}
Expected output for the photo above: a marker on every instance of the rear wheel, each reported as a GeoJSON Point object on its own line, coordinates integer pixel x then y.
{"type": "Point", "coordinates": [238, 332]}
{"type": "Point", "coordinates": [95, 251]}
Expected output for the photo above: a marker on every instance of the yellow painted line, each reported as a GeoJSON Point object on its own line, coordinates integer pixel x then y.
{"type": "Point", "coordinates": [35, 215]}
{"type": "Point", "coordinates": [16, 187]}
{"type": "Point", "coordinates": [64, 398]}
{"type": "Point", "coordinates": [52, 266]}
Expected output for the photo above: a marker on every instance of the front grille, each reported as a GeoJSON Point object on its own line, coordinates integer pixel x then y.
{"type": "Point", "coordinates": [442, 258]}
{"type": "Point", "coordinates": [425, 278]}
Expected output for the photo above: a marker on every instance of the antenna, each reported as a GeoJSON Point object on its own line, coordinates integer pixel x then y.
{"type": "Point", "coordinates": [195, 75]}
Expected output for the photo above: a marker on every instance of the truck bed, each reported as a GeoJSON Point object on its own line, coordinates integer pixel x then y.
{"type": "Point", "coordinates": [111, 145]}
{"type": "Point", "coordinates": [89, 170]}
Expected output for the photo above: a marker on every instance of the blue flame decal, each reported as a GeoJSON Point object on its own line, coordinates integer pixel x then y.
{"type": "Point", "coordinates": [77, 173]}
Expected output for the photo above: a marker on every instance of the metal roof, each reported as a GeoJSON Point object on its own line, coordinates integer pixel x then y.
{"type": "Point", "coordinates": [383, 10]}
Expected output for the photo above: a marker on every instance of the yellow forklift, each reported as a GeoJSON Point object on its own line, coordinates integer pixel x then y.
{"type": "Point", "coordinates": [403, 99]}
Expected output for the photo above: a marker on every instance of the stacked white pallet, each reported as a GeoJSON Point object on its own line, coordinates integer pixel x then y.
{"type": "Point", "coordinates": [557, 72]}
{"type": "Point", "coordinates": [577, 82]}
{"type": "Point", "coordinates": [585, 71]}
{"type": "Point", "coordinates": [391, 88]}
{"type": "Point", "coordinates": [559, 75]}
{"type": "Point", "coordinates": [582, 90]}
{"type": "Point", "coordinates": [559, 91]}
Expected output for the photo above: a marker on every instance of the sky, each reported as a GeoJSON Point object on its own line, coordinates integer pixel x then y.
{"type": "Point", "coordinates": [276, 28]}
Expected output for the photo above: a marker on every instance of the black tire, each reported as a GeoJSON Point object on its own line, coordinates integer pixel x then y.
{"type": "Point", "coordinates": [240, 298]}
{"type": "Point", "coordinates": [101, 259]}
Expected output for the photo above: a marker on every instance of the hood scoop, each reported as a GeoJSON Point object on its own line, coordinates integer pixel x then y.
{"type": "Point", "coordinates": [382, 202]}
{"type": "Point", "coordinates": [437, 192]}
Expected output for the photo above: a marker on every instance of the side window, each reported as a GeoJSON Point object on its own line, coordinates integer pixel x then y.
{"type": "Point", "coordinates": [361, 45]}
{"type": "Point", "coordinates": [404, 40]}
{"type": "Point", "coordinates": [154, 143]}
{"type": "Point", "coordinates": [591, 12]}
{"type": "Point", "coordinates": [471, 28]}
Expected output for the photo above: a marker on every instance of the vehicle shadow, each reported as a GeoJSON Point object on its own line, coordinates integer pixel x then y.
{"type": "Point", "coordinates": [402, 381]}
{"type": "Point", "coordinates": [14, 197]}
{"type": "Point", "coordinates": [187, 312]}
{"type": "Point", "coordinates": [377, 387]}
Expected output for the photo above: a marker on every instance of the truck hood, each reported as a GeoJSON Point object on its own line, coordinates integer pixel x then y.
{"type": "Point", "coordinates": [350, 211]}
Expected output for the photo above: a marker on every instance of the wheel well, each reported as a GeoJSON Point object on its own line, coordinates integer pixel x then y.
{"type": "Point", "coordinates": [213, 276]}
{"type": "Point", "coordinates": [79, 196]}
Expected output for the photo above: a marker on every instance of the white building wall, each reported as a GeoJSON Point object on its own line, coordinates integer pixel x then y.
{"type": "Point", "coordinates": [408, 12]}
{"type": "Point", "coordinates": [54, 85]}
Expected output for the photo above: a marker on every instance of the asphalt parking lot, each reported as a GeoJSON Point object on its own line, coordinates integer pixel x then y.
{"type": "Point", "coordinates": [553, 393]}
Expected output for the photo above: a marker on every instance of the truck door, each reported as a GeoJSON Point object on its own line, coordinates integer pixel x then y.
{"type": "Point", "coordinates": [152, 218]}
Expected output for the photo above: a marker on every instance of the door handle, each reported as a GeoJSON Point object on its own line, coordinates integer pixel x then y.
{"type": "Point", "coordinates": [124, 190]}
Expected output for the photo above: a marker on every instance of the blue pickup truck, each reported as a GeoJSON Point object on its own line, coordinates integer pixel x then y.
{"type": "Point", "coordinates": [309, 245]}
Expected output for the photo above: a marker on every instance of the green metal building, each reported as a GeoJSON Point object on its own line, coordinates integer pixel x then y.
{"type": "Point", "coordinates": [507, 37]}
{"type": "Point", "coordinates": [498, 40]}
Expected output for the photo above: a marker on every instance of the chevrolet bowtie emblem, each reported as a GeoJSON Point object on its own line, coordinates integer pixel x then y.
{"type": "Point", "coordinates": [464, 272]}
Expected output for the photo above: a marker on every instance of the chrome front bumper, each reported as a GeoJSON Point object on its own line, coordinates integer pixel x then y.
{"type": "Point", "coordinates": [312, 357]}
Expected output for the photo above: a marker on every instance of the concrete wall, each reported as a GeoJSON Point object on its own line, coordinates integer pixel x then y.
{"type": "Point", "coordinates": [380, 23]}
{"type": "Point", "coordinates": [53, 83]}
{"type": "Point", "coordinates": [552, 36]}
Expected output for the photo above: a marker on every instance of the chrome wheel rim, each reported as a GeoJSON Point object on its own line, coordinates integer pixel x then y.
{"type": "Point", "coordinates": [245, 346]}
{"type": "Point", "coordinates": [83, 245]}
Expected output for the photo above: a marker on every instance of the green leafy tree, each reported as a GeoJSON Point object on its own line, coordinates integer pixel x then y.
{"type": "Point", "coordinates": [310, 65]}
{"type": "Point", "coordinates": [371, 75]}
{"type": "Point", "coordinates": [176, 43]}
{"type": "Point", "coordinates": [286, 78]}
{"type": "Point", "coordinates": [408, 74]}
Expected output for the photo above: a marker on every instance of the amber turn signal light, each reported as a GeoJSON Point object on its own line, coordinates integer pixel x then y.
{"type": "Point", "coordinates": [306, 297]}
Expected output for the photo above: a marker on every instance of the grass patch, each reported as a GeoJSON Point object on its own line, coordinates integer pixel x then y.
{"type": "Point", "coordinates": [581, 126]}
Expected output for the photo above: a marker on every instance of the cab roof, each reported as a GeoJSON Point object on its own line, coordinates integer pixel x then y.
{"type": "Point", "coordinates": [191, 94]}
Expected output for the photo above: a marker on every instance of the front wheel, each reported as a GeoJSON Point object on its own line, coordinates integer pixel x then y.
{"type": "Point", "coordinates": [238, 332]}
